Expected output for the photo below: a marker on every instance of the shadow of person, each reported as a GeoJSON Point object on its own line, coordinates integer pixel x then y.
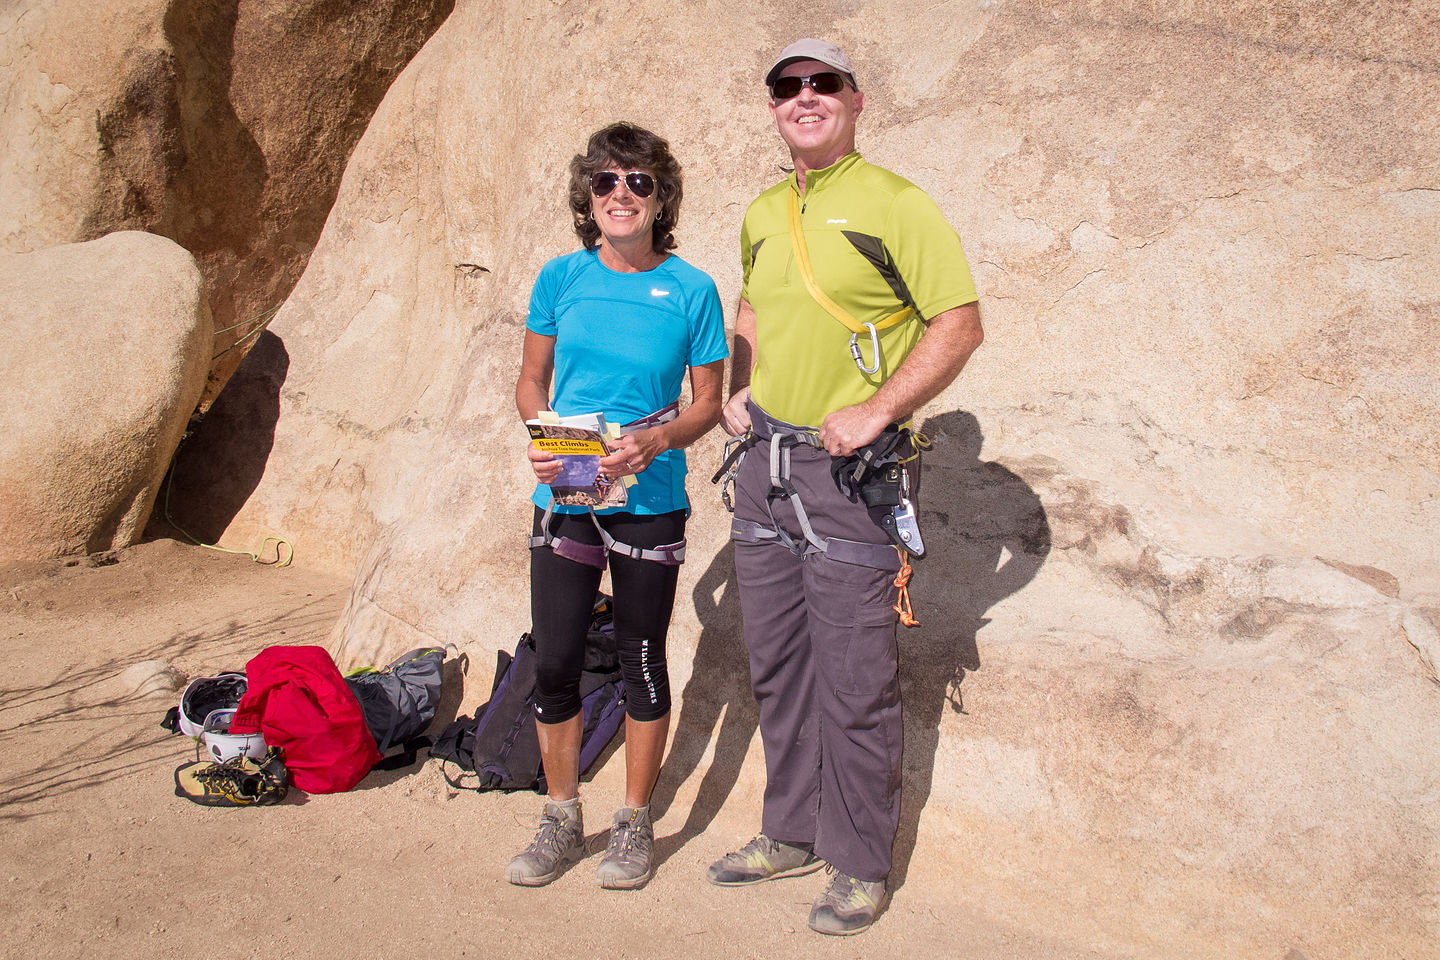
{"type": "Point", "coordinates": [719, 686]}
{"type": "Point", "coordinates": [986, 535]}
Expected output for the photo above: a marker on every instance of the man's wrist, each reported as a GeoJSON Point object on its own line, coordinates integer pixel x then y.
{"type": "Point", "coordinates": [875, 413]}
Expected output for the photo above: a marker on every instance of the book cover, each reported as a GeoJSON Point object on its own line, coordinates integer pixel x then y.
{"type": "Point", "coordinates": [578, 442]}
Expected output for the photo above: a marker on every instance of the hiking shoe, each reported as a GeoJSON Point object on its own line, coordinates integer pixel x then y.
{"type": "Point", "coordinates": [558, 843]}
{"type": "Point", "coordinates": [847, 906]}
{"type": "Point", "coordinates": [238, 782]}
{"type": "Point", "coordinates": [763, 859]}
{"type": "Point", "coordinates": [626, 864]}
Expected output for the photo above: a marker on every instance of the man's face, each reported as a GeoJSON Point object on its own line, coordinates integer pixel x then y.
{"type": "Point", "coordinates": [818, 128]}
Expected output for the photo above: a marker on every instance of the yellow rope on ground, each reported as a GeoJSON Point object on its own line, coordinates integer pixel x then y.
{"type": "Point", "coordinates": [279, 561]}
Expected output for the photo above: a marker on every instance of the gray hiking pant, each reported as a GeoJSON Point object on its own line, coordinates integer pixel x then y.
{"type": "Point", "coordinates": [821, 636]}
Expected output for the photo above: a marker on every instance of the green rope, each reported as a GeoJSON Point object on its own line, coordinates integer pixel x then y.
{"type": "Point", "coordinates": [257, 557]}
{"type": "Point", "coordinates": [262, 320]}
{"type": "Point", "coordinates": [282, 558]}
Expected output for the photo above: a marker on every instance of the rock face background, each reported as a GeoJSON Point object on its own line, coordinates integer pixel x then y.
{"type": "Point", "coordinates": [1175, 692]}
{"type": "Point", "coordinates": [221, 125]}
{"type": "Point", "coordinates": [107, 345]}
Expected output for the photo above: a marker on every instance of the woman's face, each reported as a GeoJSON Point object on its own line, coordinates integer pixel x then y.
{"type": "Point", "coordinates": [624, 217]}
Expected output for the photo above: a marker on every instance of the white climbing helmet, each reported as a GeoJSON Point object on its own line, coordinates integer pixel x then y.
{"type": "Point", "coordinates": [204, 695]}
{"type": "Point", "coordinates": [222, 745]}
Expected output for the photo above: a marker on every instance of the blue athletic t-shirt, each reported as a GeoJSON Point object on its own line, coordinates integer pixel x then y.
{"type": "Point", "coordinates": [623, 344]}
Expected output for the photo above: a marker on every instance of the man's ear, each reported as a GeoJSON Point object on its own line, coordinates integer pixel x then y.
{"type": "Point", "coordinates": [859, 102]}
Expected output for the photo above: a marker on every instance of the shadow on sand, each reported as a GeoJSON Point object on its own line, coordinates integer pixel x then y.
{"type": "Point", "coordinates": [718, 691]}
{"type": "Point", "coordinates": [100, 728]}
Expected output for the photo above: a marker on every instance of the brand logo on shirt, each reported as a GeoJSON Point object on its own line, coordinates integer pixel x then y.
{"type": "Point", "coordinates": [657, 292]}
{"type": "Point", "coordinates": [842, 220]}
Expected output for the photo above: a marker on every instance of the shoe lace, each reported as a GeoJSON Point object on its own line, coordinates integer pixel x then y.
{"type": "Point", "coordinates": [551, 834]}
{"type": "Point", "coordinates": [845, 890]}
{"type": "Point", "coordinates": [757, 852]}
{"type": "Point", "coordinates": [228, 770]}
{"type": "Point", "coordinates": [549, 831]}
{"type": "Point", "coordinates": [624, 837]}
{"type": "Point", "coordinates": [215, 777]}
{"type": "Point", "coordinates": [232, 777]}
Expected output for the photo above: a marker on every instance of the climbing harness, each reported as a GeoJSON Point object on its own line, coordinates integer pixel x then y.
{"type": "Point", "coordinates": [856, 327]}
{"type": "Point", "coordinates": [664, 415]}
{"type": "Point", "coordinates": [596, 554]}
{"type": "Point", "coordinates": [875, 475]}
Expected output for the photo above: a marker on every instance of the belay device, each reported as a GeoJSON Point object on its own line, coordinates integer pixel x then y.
{"type": "Point", "coordinates": [876, 475]}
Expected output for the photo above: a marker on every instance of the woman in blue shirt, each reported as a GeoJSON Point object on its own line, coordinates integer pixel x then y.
{"type": "Point", "coordinates": [616, 328]}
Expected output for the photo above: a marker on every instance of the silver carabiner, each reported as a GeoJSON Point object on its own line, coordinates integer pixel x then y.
{"type": "Point", "coordinates": [874, 350]}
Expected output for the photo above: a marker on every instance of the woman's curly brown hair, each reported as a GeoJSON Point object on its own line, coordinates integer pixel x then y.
{"type": "Point", "coordinates": [625, 146]}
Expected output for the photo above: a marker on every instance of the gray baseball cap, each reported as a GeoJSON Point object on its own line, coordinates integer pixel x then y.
{"type": "Point", "coordinates": [812, 49]}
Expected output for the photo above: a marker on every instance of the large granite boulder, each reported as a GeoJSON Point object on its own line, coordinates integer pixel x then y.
{"type": "Point", "coordinates": [1141, 712]}
{"type": "Point", "coordinates": [223, 126]}
{"type": "Point", "coordinates": [106, 348]}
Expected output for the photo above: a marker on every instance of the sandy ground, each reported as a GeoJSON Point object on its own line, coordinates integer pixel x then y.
{"type": "Point", "coordinates": [101, 859]}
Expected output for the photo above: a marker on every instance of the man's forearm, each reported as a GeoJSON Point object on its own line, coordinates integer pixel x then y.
{"type": "Point", "coordinates": [938, 357]}
{"type": "Point", "coordinates": [742, 355]}
{"type": "Point", "coordinates": [933, 365]}
{"type": "Point", "coordinates": [735, 414]}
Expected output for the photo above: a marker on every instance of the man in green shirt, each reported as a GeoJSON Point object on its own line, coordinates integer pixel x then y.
{"type": "Point", "coordinates": [857, 308]}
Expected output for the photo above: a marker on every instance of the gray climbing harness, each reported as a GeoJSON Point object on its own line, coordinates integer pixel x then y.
{"type": "Point", "coordinates": [781, 439]}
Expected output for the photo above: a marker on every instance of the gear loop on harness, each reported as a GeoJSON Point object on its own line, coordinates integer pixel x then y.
{"type": "Point", "coordinates": [735, 448]}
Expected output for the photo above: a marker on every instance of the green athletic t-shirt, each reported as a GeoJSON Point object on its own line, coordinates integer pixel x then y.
{"type": "Point", "coordinates": [876, 242]}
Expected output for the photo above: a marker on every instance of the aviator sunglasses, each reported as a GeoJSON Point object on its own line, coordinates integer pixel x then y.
{"type": "Point", "coordinates": [827, 83]}
{"type": "Point", "coordinates": [603, 183]}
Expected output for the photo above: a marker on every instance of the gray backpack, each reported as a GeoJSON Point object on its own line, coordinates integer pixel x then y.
{"type": "Point", "coordinates": [399, 701]}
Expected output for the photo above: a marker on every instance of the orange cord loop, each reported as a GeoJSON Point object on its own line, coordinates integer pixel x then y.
{"type": "Point", "coordinates": [902, 580]}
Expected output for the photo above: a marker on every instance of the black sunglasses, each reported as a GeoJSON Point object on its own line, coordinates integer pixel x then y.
{"type": "Point", "coordinates": [826, 83]}
{"type": "Point", "coordinates": [603, 183]}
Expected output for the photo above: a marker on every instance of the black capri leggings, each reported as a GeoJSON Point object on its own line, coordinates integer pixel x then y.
{"type": "Point", "coordinates": [562, 595]}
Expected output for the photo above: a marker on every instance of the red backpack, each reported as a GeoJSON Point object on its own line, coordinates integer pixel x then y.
{"type": "Point", "coordinates": [298, 701]}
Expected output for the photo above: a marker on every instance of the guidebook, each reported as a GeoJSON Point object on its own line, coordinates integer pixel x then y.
{"type": "Point", "coordinates": [579, 442]}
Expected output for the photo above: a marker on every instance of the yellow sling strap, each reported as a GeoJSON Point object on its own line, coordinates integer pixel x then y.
{"type": "Point", "coordinates": [802, 260]}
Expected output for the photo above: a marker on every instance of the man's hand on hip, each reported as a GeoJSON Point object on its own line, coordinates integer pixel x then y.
{"type": "Point", "coordinates": [735, 415]}
{"type": "Point", "coordinates": [850, 428]}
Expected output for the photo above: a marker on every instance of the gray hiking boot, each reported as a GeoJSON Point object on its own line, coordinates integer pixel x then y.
{"type": "Point", "coordinates": [847, 906]}
{"type": "Point", "coordinates": [763, 859]}
{"type": "Point", "coordinates": [558, 843]}
{"type": "Point", "coordinates": [626, 864]}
